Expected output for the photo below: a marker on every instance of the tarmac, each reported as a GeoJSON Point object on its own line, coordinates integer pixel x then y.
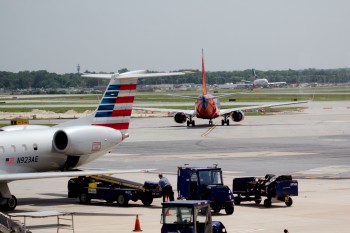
{"type": "Point", "coordinates": [312, 145]}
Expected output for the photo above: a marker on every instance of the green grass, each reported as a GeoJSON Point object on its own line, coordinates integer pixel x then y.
{"type": "Point", "coordinates": [238, 98]}
{"type": "Point", "coordinates": [53, 109]}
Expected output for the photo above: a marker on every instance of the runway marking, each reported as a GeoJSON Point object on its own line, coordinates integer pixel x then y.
{"type": "Point", "coordinates": [209, 130]}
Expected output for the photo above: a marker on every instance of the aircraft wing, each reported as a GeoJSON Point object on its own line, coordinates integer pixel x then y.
{"type": "Point", "coordinates": [133, 74]}
{"type": "Point", "coordinates": [196, 97]}
{"type": "Point", "coordinates": [223, 95]}
{"type": "Point", "coordinates": [7, 177]}
{"type": "Point", "coordinates": [169, 110]}
{"type": "Point", "coordinates": [229, 110]}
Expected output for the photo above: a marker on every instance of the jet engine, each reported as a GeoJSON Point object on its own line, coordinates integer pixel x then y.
{"type": "Point", "coordinates": [180, 117]}
{"type": "Point", "coordinates": [237, 116]}
{"type": "Point", "coordinates": [83, 140]}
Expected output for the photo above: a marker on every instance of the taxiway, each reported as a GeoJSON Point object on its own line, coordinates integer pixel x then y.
{"type": "Point", "coordinates": [312, 145]}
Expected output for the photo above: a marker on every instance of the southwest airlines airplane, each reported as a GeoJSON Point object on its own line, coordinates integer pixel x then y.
{"type": "Point", "coordinates": [207, 106]}
{"type": "Point", "coordinates": [34, 151]}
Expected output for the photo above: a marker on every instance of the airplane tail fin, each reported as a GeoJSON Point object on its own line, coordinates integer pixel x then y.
{"type": "Point", "coordinates": [254, 74]}
{"type": "Point", "coordinates": [204, 77]}
{"type": "Point", "coordinates": [115, 107]}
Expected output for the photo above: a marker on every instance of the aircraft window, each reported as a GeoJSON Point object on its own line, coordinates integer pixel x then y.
{"type": "Point", "coordinates": [24, 147]}
{"type": "Point", "coordinates": [13, 147]}
{"type": "Point", "coordinates": [35, 146]}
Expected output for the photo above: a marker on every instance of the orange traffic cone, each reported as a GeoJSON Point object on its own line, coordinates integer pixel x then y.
{"type": "Point", "coordinates": [137, 224]}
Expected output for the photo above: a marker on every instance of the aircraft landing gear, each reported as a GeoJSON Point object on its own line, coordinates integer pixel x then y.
{"type": "Point", "coordinates": [226, 121]}
{"type": "Point", "coordinates": [11, 203]}
{"type": "Point", "coordinates": [210, 122]}
{"type": "Point", "coordinates": [191, 122]}
{"type": "Point", "coordinates": [7, 201]}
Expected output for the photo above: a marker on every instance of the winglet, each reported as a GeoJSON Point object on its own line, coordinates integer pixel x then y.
{"type": "Point", "coordinates": [204, 77]}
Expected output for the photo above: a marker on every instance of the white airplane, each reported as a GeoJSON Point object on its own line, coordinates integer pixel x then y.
{"type": "Point", "coordinates": [34, 151]}
{"type": "Point", "coordinates": [264, 83]}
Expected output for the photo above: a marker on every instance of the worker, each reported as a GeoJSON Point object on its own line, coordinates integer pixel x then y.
{"type": "Point", "coordinates": [165, 187]}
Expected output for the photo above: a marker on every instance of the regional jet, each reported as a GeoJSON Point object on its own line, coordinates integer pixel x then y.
{"type": "Point", "coordinates": [34, 151]}
{"type": "Point", "coordinates": [207, 106]}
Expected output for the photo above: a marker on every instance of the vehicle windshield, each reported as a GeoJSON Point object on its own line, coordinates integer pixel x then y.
{"type": "Point", "coordinates": [177, 215]}
{"type": "Point", "coordinates": [210, 177]}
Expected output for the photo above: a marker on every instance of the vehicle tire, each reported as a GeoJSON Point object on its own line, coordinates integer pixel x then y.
{"type": "Point", "coordinates": [193, 124]}
{"type": "Point", "coordinates": [84, 198]}
{"type": "Point", "coordinates": [147, 200]}
{"type": "Point", "coordinates": [237, 200]}
{"type": "Point", "coordinates": [11, 203]}
{"type": "Point", "coordinates": [229, 209]}
{"type": "Point", "coordinates": [222, 122]}
{"type": "Point", "coordinates": [258, 201]}
{"type": "Point", "coordinates": [227, 122]}
{"type": "Point", "coordinates": [289, 202]}
{"type": "Point", "coordinates": [267, 202]}
{"type": "Point", "coordinates": [216, 209]}
{"type": "Point", "coordinates": [121, 200]}
{"type": "Point", "coordinates": [188, 123]}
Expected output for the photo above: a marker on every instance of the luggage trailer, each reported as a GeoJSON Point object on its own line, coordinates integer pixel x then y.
{"type": "Point", "coordinates": [274, 188]}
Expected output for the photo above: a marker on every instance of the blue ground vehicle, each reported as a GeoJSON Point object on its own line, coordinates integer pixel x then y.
{"type": "Point", "coordinates": [205, 183]}
{"type": "Point", "coordinates": [274, 188]}
{"type": "Point", "coordinates": [189, 217]}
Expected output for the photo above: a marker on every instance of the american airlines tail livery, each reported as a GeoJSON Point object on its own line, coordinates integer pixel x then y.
{"type": "Point", "coordinates": [34, 151]}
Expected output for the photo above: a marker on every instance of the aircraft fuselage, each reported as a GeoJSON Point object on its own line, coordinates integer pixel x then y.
{"type": "Point", "coordinates": [207, 107]}
{"type": "Point", "coordinates": [33, 151]}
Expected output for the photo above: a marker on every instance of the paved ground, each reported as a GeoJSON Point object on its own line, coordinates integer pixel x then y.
{"type": "Point", "coordinates": [312, 145]}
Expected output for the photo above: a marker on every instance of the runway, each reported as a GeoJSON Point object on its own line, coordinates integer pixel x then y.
{"type": "Point", "coordinates": [312, 145]}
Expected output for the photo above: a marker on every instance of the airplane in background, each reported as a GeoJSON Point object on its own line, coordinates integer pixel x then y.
{"type": "Point", "coordinates": [207, 106]}
{"type": "Point", "coordinates": [262, 82]}
{"type": "Point", "coordinates": [34, 151]}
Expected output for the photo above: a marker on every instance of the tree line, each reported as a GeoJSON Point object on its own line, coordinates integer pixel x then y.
{"type": "Point", "coordinates": [45, 80]}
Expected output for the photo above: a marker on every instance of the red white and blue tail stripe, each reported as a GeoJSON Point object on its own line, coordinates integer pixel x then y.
{"type": "Point", "coordinates": [115, 108]}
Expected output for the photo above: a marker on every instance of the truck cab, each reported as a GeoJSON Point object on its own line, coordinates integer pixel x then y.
{"type": "Point", "coordinates": [205, 183]}
{"type": "Point", "coordinates": [189, 216]}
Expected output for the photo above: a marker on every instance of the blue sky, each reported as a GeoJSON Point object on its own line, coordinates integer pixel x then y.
{"type": "Point", "coordinates": [166, 35]}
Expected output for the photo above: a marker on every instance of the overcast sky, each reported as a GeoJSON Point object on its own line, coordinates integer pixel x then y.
{"type": "Point", "coordinates": [166, 35]}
